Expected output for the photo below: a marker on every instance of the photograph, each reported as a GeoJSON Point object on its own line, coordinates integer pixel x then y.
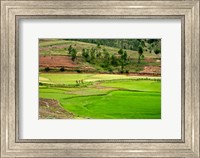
{"type": "Point", "coordinates": [99, 78]}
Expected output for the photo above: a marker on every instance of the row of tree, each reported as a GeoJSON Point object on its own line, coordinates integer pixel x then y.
{"type": "Point", "coordinates": [102, 57]}
{"type": "Point", "coordinates": [129, 44]}
{"type": "Point", "coordinates": [97, 55]}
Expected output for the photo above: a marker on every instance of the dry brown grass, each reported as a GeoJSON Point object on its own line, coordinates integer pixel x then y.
{"type": "Point", "coordinates": [51, 109]}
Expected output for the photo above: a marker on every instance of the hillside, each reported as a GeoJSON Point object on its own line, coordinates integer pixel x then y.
{"type": "Point", "coordinates": [55, 56]}
{"type": "Point", "coordinates": [128, 44]}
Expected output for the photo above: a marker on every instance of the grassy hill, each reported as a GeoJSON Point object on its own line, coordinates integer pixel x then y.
{"type": "Point", "coordinates": [58, 47]}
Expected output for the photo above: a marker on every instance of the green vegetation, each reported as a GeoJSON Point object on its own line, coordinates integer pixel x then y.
{"type": "Point", "coordinates": [100, 78]}
{"type": "Point", "coordinates": [123, 60]}
{"type": "Point", "coordinates": [109, 96]}
{"type": "Point", "coordinates": [129, 44]}
{"type": "Point", "coordinates": [102, 57]}
{"type": "Point", "coordinates": [105, 58]}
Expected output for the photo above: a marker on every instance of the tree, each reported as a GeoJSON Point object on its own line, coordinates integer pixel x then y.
{"type": "Point", "coordinates": [114, 60]}
{"type": "Point", "coordinates": [86, 55]}
{"type": "Point", "coordinates": [106, 58]}
{"type": "Point", "coordinates": [73, 54]}
{"type": "Point", "coordinates": [98, 51]}
{"type": "Point", "coordinates": [154, 45]}
{"type": "Point", "coordinates": [150, 48]}
{"type": "Point", "coordinates": [70, 49]}
{"type": "Point", "coordinates": [140, 53]}
{"type": "Point", "coordinates": [124, 59]}
{"type": "Point", "coordinates": [98, 45]}
{"type": "Point", "coordinates": [141, 45]}
{"type": "Point", "coordinates": [98, 55]}
{"type": "Point", "coordinates": [92, 54]}
{"type": "Point", "coordinates": [157, 51]}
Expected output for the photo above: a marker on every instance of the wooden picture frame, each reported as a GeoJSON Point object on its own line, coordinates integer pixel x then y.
{"type": "Point", "coordinates": [12, 11]}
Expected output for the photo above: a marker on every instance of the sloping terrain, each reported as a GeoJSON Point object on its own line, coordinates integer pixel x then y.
{"type": "Point", "coordinates": [56, 61]}
{"type": "Point", "coordinates": [108, 96]}
{"type": "Point", "coordinates": [79, 79]}
{"type": "Point", "coordinates": [54, 54]}
{"type": "Point", "coordinates": [50, 109]}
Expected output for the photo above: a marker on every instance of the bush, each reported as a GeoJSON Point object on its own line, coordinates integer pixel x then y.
{"type": "Point", "coordinates": [41, 84]}
{"type": "Point", "coordinates": [62, 69]}
{"type": "Point", "coordinates": [79, 71]}
{"type": "Point", "coordinates": [110, 69]}
{"type": "Point", "coordinates": [142, 56]}
{"type": "Point", "coordinates": [157, 51]}
{"type": "Point", "coordinates": [122, 71]}
{"type": "Point", "coordinates": [46, 69]}
{"type": "Point", "coordinates": [137, 69]}
{"type": "Point", "coordinates": [127, 71]}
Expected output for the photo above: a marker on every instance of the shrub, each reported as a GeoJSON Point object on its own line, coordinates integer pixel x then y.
{"type": "Point", "coordinates": [110, 69]}
{"type": "Point", "coordinates": [46, 69]}
{"type": "Point", "coordinates": [122, 71]}
{"type": "Point", "coordinates": [142, 56]}
{"type": "Point", "coordinates": [157, 51]}
{"type": "Point", "coordinates": [41, 84]}
{"type": "Point", "coordinates": [79, 71]}
{"type": "Point", "coordinates": [137, 69]}
{"type": "Point", "coordinates": [62, 69]}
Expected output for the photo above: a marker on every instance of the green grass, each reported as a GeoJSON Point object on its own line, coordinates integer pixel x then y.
{"type": "Point", "coordinates": [141, 85]}
{"type": "Point", "coordinates": [116, 105]}
{"type": "Point", "coordinates": [65, 78]}
{"type": "Point", "coordinates": [62, 78]}
{"type": "Point", "coordinates": [59, 47]}
{"type": "Point", "coordinates": [109, 97]}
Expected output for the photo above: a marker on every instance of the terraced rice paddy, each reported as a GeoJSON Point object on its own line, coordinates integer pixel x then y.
{"type": "Point", "coordinates": [104, 96]}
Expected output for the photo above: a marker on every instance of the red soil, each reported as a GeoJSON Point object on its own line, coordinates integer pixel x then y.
{"type": "Point", "coordinates": [56, 61]}
{"type": "Point", "coordinates": [68, 64]}
{"type": "Point", "coordinates": [151, 69]}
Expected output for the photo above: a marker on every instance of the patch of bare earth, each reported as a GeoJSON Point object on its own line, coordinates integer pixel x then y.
{"type": "Point", "coordinates": [151, 69]}
{"type": "Point", "coordinates": [57, 61]}
{"type": "Point", "coordinates": [61, 61]}
{"type": "Point", "coordinates": [51, 109]}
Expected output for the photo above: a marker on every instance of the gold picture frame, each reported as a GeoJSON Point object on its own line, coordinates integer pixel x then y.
{"type": "Point", "coordinates": [13, 11]}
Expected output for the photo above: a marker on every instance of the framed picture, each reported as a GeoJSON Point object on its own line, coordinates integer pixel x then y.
{"type": "Point", "coordinates": [100, 78]}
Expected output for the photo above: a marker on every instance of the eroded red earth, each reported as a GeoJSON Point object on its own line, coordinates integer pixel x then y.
{"type": "Point", "coordinates": [56, 61]}
{"type": "Point", "coordinates": [67, 63]}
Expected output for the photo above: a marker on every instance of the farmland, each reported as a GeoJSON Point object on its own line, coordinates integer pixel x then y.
{"type": "Point", "coordinates": [104, 96]}
{"type": "Point", "coordinates": [54, 55]}
{"type": "Point", "coordinates": [81, 80]}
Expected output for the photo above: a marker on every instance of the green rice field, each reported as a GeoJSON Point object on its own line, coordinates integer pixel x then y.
{"type": "Point", "coordinates": [104, 96]}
